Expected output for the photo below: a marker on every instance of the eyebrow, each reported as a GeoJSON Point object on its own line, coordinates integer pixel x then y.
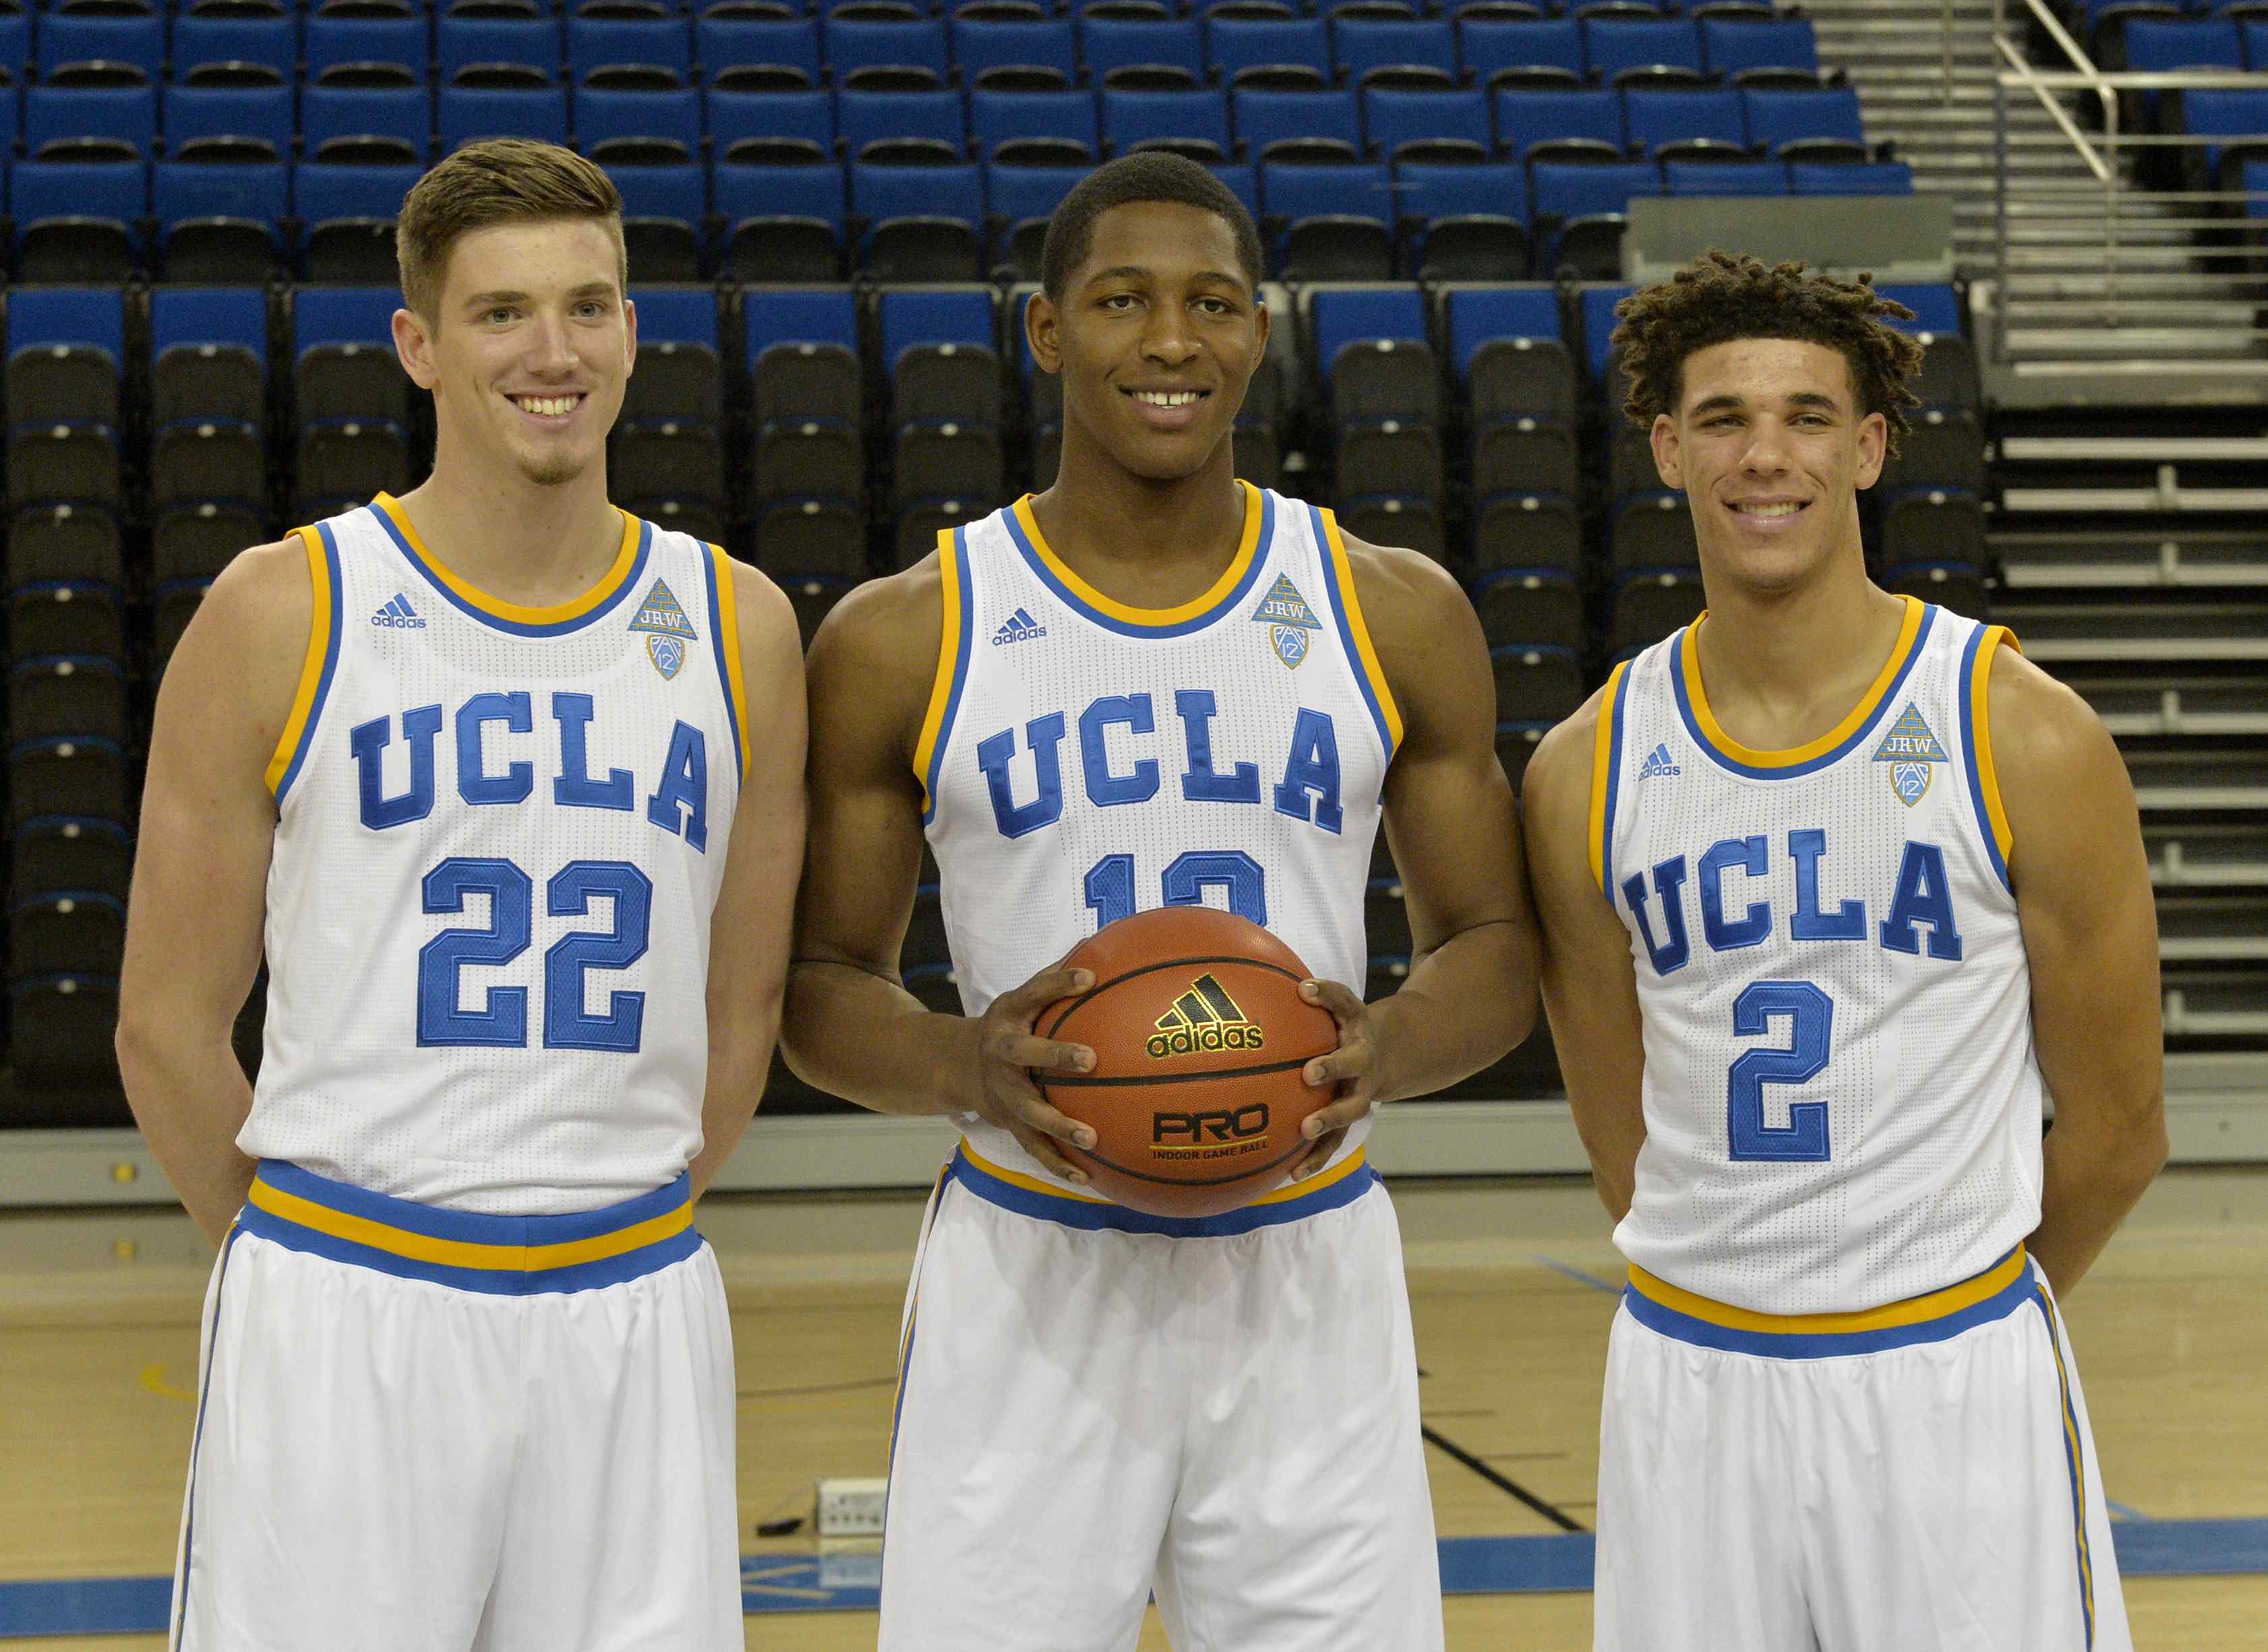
{"type": "Point", "coordinates": [589, 289]}
{"type": "Point", "coordinates": [1138, 272]}
{"type": "Point", "coordinates": [1796, 399]}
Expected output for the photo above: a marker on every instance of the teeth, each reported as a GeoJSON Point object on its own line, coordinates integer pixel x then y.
{"type": "Point", "coordinates": [1166, 397]}
{"type": "Point", "coordinates": [1769, 510]}
{"type": "Point", "coordinates": [549, 404]}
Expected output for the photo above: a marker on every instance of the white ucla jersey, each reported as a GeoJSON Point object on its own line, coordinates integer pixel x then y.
{"type": "Point", "coordinates": [501, 833]}
{"type": "Point", "coordinates": [1082, 760]}
{"type": "Point", "coordinates": [1842, 1106]}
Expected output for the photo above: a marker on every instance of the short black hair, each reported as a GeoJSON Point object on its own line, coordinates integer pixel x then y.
{"type": "Point", "coordinates": [1144, 175]}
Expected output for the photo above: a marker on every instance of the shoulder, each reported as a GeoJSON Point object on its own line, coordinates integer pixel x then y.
{"type": "Point", "coordinates": [1404, 595]}
{"type": "Point", "coordinates": [247, 647]}
{"type": "Point", "coordinates": [266, 593]}
{"type": "Point", "coordinates": [1556, 789]}
{"type": "Point", "coordinates": [766, 617]}
{"type": "Point", "coordinates": [881, 642]}
{"type": "Point", "coordinates": [2036, 725]}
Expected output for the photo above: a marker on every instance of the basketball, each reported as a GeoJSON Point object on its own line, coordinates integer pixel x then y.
{"type": "Point", "coordinates": [1199, 1033]}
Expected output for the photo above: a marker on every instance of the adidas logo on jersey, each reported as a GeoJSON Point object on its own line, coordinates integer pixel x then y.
{"type": "Point", "coordinates": [399, 614]}
{"type": "Point", "coordinates": [1019, 626]}
{"type": "Point", "coordinates": [1204, 1017]}
{"type": "Point", "coordinates": [1658, 763]}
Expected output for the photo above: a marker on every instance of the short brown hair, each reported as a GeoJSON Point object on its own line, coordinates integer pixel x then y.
{"type": "Point", "coordinates": [496, 180]}
{"type": "Point", "coordinates": [1722, 298]}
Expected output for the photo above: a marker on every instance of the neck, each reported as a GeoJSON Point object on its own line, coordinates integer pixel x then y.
{"type": "Point", "coordinates": [1776, 647]}
{"type": "Point", "coordinates": [1154, 543]}
{"type": "Point", "coordinates": [511, 538]}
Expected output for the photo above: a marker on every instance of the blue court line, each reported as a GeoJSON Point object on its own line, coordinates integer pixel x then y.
{"type": "Point", "coordinates": [1579, 1275]}
{"type": "Point", "coordinates": [1560, 1563]}
{"type": "Point", "coordinates": [2122, 1511]}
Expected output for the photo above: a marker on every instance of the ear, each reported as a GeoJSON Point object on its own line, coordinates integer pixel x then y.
{"type": "Point", "coordinates": [414, 344]}
{"type": "Point", "coordinates": [1042, 332]}
{"type": "Point", "coordinates": [629, 336]}
{"type": "Point", "coordinates": [1873, 450]}
{"type": "Point", "coordinates": [1262, 318]}
{"type": "Point", "coordinates": [1669, 456]}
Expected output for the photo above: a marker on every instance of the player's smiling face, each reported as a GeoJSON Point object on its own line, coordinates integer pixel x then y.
{"type": "Point", "coordinates": [529, 353]}
{"type": "Point", "coordinates": [1156, 337]}
{"type": "Point", "coordinates": [1771, 451]}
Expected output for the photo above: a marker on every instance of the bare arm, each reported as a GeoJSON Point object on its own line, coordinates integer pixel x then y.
{"type": "Point", "coordinates": [749, 930]}
{"type": "Point", "coordinates": [852, 1027]}
{"type": "Point", "coordinates": [1590, 986]}
{"type": "Point", "coordinates": [2082, 882]}
{"type": "Point", "coordinates": [199, 907]}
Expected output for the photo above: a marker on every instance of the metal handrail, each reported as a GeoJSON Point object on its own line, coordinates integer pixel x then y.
{"type": "Point", "coordinates": [2104, 164]}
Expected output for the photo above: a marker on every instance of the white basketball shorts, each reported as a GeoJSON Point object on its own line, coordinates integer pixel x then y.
{"type": "Point", "coordinates": [1095, 1404]}
{"type": "Point", "coordinates": [1919, 1478]}
{"type": "Point", "coordinates": [428, 1429]}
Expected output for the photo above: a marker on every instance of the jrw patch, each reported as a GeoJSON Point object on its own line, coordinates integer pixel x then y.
{"type": "Point", "coordinates": [1909, 748]}
{"type": "Point", "coordinates": [667, 627]}
{"type": "Point", "coordinates": [1289, 618]}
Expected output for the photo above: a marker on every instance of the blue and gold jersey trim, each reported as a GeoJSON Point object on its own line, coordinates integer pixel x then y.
{"type": "Point", "coordinates": [1340, 1184]}
{"type": "Point", "coordinates": [1606, 777]}
{"type": "Point", "coordinates": [1836, 744]}
{"type": "Point", "coordinates": [952, 664]}
{"type": "Point", "coordinates": [725, 638]}
{"type": "Point", "coordinates": [1996, 1292]}
{"type": "Point", "coordinates": [593, 605]}
{"type": "Point", "coordinates": [1354, 636]}
{"type": "Point", "coordinates": [497, 1256]}
{"type": "Point", "coordinates": [2074, 1448]}
{"type": "Point", "coordinates": [1976, 744]}
{"type": "Point", "coordinates": [1227, 592]}
{"type": "Point", "coordinates": [321, 664]}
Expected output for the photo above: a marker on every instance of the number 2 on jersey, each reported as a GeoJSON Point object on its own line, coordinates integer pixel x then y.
{"type": "Point", "coordinates": [1811, 1017]}
{"type": "Point", "coordinates": [502, 1020]}
{"type": "Point", "coordinates": [1110, 884]}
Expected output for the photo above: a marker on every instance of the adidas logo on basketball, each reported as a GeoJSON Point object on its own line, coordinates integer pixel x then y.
{"type": "Point", "coordinates": [399, 615]}
{"type": "Point", "coordinates": [1658, 764]}
{"type": "Point", "coordinates": [1019, 626]}
{"type": "Point", "coordinates": [1203, 1018]}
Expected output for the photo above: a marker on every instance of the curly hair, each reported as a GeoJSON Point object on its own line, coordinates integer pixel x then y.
{"type": "Point", "coordinates": [1722, 297]}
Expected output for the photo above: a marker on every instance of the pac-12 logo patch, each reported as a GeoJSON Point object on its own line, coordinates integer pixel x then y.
{"type": "Point", "coordinates": [1289, 618]}
{"type": "Point", "coordinates": [667, 627]}
{"type": "Point", "coordinates": [1909, 749]}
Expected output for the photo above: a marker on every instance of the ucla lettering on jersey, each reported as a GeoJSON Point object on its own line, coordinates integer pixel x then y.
{"type": "Point", "coordinates": [499, 841]}
{"type": "Point", "coordinates": [1095, 759]}
{"type": "Point", "coordinates": [1842, 1101]}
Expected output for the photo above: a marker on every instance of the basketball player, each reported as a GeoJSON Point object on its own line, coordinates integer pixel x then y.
{"type": "Point", "coordinates": [1155, 685]}
{"type": "Point", "coordinates": [1838, 890]}
{"type": "Point", "coordinates": [494, 771]}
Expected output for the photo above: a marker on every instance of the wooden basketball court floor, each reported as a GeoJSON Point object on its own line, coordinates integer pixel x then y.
{"type": "Point", "coordinates": [1511, 1292]}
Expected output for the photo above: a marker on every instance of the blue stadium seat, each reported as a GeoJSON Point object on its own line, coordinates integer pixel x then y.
{"type": "Point", "coordinates": [1652, 119]}
{"type": "Point", "coordinates": [1479, 316]}
{"type": "Point", "coordinates": [1464, 222]}
{"type": "Point", "coordinates": [1729, 46]}
{"type": "Point", "coordinates": [1597, 312]}
{"type": "Point", "coordinates": [525, 42]}
{"type": "Point", "coordinates": [637, 127]}
{"type": "Point", "coordinates": [1337, 220]}
{"type": "Point", "coordinates": [665, 219]}
{"type": "Point", "coordinates": [348, 214]}
{"type": "Point", "coordinates": [464, 113]}
{"type": "Point", "coordinates": [996, 118]}
{"type": "Point", "coordinates": [1236, 44]}
{"type": "Point", "coordinates": [217, 223]}
{"type": "Point", "coordinates": [1777, 119]}
{"type": "Point", "coordinates": [1113, 43]}
{"type": "Point", "coordinates": [983, 45]}
{"type": "Point", "coordinates": [910, 319]}
{"type": "Point", "coordinates": [1612, 45]}
{"type": "Point", "coordinates": [780, 223]}
{"type": "Point", "coordinates": [11, 119]}
{"type": "Point", "coordinates": [2254, 32]}
{"type": "Point", "coordinates": [1868, 178]}
{"type": "Point", "coordinates": [1488, 47]}
{"type": "Point", "coordinates": [1393, 118]}
{"type": "Point", "coordinates": [342, 115]}
{"type": "Point", "coordinates": [43, 318]}
{"type": "Point", "coordinates": [2235, 114]}
{"type": "Point", "coordinates": [1309, 120]}
{"type": "Point", "coordinates": [64, 115]}
{"type": "Point", "coordinates": [1724, 178]}
{"type": "Point", "coordinates": [1936, 307]}
{"type": "Point", "coordinates": [1133, 118]}
{"type": "Point", "coordinates": [74, 37]}
{"type": "Point", "coordinates": [738, 117]}
{"type": "Point", "coordinates": [921, 222]}
{"type": "Point", "coordinates": [186, 316]}
{"type": "Point", "coordinates": [1525, 118]}
{"type": "Point", "coordinates": [609, 42]}
{"type": "Point", "coordinates": [1243, 180]}
{"type": "Point", "coordinates": [722, 42]}
{"type": "Point", "coordinates": [1590, 203]}
{"type": "Point", "coordinates": [261, 115]}
{"type": "Point", "coordinates": [273, 42]}
{"type": "Point", "coordinates": [335, 42]}
{"type": "Point", "coordinates": [937, 117]}
{"type": "Point", "coordinates": [1360, 45]}
{"type": "Point", "coordinates": [343, 315]}
{"type": "Point", "coordinates": [1345, 316]}
{"type": "Point", "coordinates": [1022, 199]}
{"type": "Point", "coordinates": [781, 316]}
{"type": "Point", "coordinates": [16, 42]}
{"type": "Point", "coordinates": [77, 220]}
{"type": "Point", "coordinates": [852, 44]}
{"type": "Point", "coordinates": [676, 315]}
